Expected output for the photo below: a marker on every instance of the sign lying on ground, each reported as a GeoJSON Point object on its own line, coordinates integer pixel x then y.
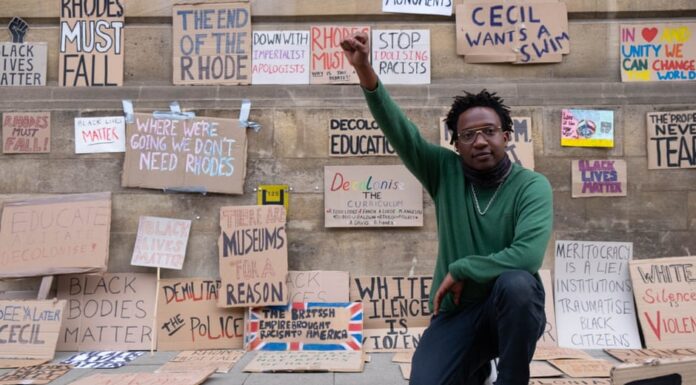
{"type": "Point", "coordinates": [34, 375]}
{"type": "Point", "coordinates": [161, 242]}
{"type": "Point", "coordinates": [26, 132]}
{"type": "Point", "coordinates": [667, 372]}
{"type": "Point", "coordinates": [222, 359]}
{"type": "Point", "coordinates": [657, 52]}
{"type": "Point", "coordinates": [371, 196]}
{"type": "Point", "coordinates": [594, 297]}
{"type": "Point", "coordinates": [499, 31]}
{"type": "Point", "coordinates": [188, 316]}
{"type": "Point", "coordinates": [197, 154]}
{"type": "Point", "coordinates": [91, 43]}
{"type": "Point", "coordinates": [584, 368]}
{"type": "Point", "coordinates": [29, 331]}
{"type": "Point", "coordinates": [305, 326]}
{"type": "Point", "coordinates": [101, 360]}
{"type": "Point", "coordinates": [112, 311]}
{"type": "Point", "coordinates": [191, 378]}
{"type": "Point", "coordinates": [643, 355]}
{"type": "Point", "coordinates": [665, 289]}
{"type": "Point", "coordinates": [396, 310]}
{"type": "Point", "coordinates": [72, 235]}
{"type": "Point", "coordinates": [671, 139]}
{"type": "Point", "coordinates": [253, 249]}
{"type": "Point", "coordinates": [212, 43]}
{"type": "Point", "coordinates": [331, 361]}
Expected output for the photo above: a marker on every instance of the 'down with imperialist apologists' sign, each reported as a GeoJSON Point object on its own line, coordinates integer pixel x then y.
{"type": "Point", "coordinates": [280, 57]}
{"type": "Point", "coordinates": [671, 139]}
{"type": "Point", "coordinates": [91, 43]}
{"type": "Point", "coordinates": [188, 316]}
{"type": "Point", "coordinates": [371, 196]}
{"type": "Point", "coordinates": [396, 310]}
{"type": "Point", "coordinates": [594, 296]}
{"type": "Point", "coordinates": [199, 154]}
{"type": "Point", "coordinates": [352, 137]}
{"type": "Point", "coordinates": [253, 247]}
{"type": "Point", "coordinates": [212, 43]}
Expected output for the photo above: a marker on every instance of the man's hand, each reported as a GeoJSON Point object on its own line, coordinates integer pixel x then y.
{"type": "Point", "coordinates": [448, 284]}
{"type": "Point", "coordinates": [356, 47]}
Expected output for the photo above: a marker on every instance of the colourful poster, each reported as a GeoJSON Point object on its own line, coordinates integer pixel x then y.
{"type": "Point", "coordinates": [587, 128]}
{"type": "Point", "coordinates": [658, 52]}
{"type": "Point", "coordinates": [280, 57]}
{"type": "Point", "coordinates": [329, 65]}
{"type": "Point", "coordinates": [598, 178]}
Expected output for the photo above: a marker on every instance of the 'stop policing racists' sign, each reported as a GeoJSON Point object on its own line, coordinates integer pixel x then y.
{"type": "Point", "coordinates": [496, 31]}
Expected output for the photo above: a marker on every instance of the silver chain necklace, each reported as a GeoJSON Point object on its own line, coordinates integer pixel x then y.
{"type": "Point", "coordinates": [490, 202]}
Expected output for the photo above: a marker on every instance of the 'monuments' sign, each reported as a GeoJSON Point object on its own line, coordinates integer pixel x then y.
{"type": "Point", "coordinates": [658, 52]}
{"type": "Point", "coordinates": [371, 196]}
{"type": "Point", "coordinates": [594, 297]}
{"type": "Point", "coordinates": [212, 43]}
{"type": "Point", "coordinates": [671, 139]}
{"type": "Point", "coordinates": [396, 310]}
{"type": "Point", "coordinates": [443, 8]}
{"type": "Point", "coordinates": [253, 248]}
{"type": "Point", "coordinates": [665, 289]}
{"type": "Point", "coordinates": [499, 31]}
{"type": "Point", "coordinates": [91, 43]}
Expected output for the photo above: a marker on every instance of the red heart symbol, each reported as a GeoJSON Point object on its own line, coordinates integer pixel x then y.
{"type": "Point", "coordinates": [649, 34]}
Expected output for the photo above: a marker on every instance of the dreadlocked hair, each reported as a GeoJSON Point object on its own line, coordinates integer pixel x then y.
{"type": "Point", "coordinates": [482, 99]}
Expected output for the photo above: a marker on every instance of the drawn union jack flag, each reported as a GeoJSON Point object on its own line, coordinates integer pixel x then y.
{"type": "Point", "coordinates": [254, 341]}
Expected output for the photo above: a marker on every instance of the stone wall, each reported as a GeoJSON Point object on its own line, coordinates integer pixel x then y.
{"type": "Point", "coordinates": [658, 215]}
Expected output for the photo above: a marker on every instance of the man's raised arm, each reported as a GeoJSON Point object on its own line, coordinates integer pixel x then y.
{"type": "Point", "coordinates": [356, 47]}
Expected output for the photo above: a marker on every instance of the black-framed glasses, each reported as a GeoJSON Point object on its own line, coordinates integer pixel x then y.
{"type": "Point", "coordinates": [468, 135]}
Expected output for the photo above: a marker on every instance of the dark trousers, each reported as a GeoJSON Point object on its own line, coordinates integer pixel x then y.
{"type": "Point", "coordinates": [457, 348]}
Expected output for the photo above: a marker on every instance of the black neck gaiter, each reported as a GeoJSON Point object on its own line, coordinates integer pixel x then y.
{"type": "Point", "coordinates": [489, 178]}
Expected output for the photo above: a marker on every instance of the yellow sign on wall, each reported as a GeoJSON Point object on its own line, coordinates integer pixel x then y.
{"type": "Point", "coordinates": [273, 194]}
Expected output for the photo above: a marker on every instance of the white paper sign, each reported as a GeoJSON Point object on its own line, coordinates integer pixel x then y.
{"type": "Point", "coordinates": [101, 134]}
{"type": "Point", "coordinates": [280, 57]}
{"type": "Point", "coordinates": [428, 7]}
{"type": "Point", "coordinates": [594, 296]}
{"type": "Point", "coordinates": [401, 56]}
{"type": "Point", "coordinates": [161, 242]}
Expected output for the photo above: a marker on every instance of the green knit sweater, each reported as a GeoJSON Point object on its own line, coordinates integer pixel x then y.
{"type": "Point", "coordinates": [474, 248]}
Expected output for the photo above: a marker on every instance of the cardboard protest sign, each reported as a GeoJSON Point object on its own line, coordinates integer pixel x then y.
{"type": "Point", "coordinates": [280, 57]}
{"type": "Point", "coordinates": [212, 43]}
{"type": "Point", "coordinates": [23, 64]}
{"type": "Point", "coordinates": [112, 311]}
{"type": "Point", "coordinates": [91, 43]}
{"type": "Point", "coordinates": [643, 355]}
{"type": "Point", "coordinates": [665, 372]}
{"type": "Point", "coordinates": [403, 357]}
{"type": "Point", "coordinates": [665, 290]}
{"type": "Point", "coordinates": [549, 338]}
{"type": "Point", "coordinates": [100, 134]}
{"type": "Point", "coordinates": [405, 371]}
{"type": "Point", "coordinates": [72, 236]}
{"type": "Point", "coordinates": [318, 286]}
{"type": "Point", "coordinates": [191, 378]}
{"type": "Point", "coordinates": [34, 375]}
{"type": "Point", "coordinates": [443, 8]}
{"type": "Point", "coordinates": [222, 359]}
{"type": "Point", "coordinates": [331, 361]}
{"type": "Point", "coordinates": [357, 137]}
{"type": "Point", "coordinates": [305, 326]}
{"type": "Point", "coordinates": [543, 369]}
{"type": "Point", "coordinates": [500, 31]}
{"type": "Point", "coordinates": [544, 353]}
{"type": "Point", "coordinates": [29, 331]}
{"type": "Point", "coordinates": [520, 148]}
{"type": "Point", "coordinates": [671, 139]}
{"type": "Point", "coordinates": [594, 300]}
{"type": "Point", "coordinates": [188, 316]}
{"type": "Point", "coordinates": [401, 56]}
{"type": "Point", "coordinates": [197, 154]}
{"type": "Point", "coordinates": [584, 368]}
{"type": "Point", "coordinates": [101, 360]}
{"type": "Point", "coordinates": [396, 310]}
{"type": "Point", "coordinates": [570, 381]}
{"type": "Point", "coordinates": [274, 194]}
{"type": "Point", "coordinates": [598, 178]}
{"type": "Point", "coordinates": [161, 242]}
{"type": "Point", "coordinates": [26, 132]}
{"type": "Point", "coordinates": [372, 196]}
{"type": "Point", "coordinates": [253, 251]}
{"type": "Point", "coordinates": [657, 52]}
{"type": "Point", "coordinates": [587, 128]}
{"type": "Point", "coordinates": [329, 65]}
